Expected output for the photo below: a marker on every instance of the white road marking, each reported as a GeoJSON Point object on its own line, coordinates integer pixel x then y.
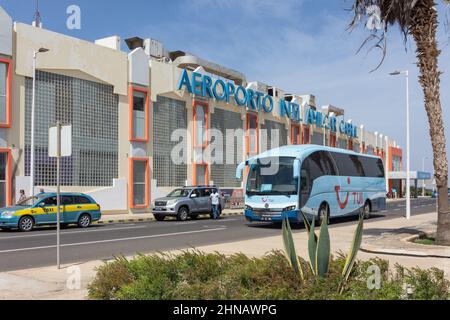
{"type": "Point", "coordinates": [397, 209]}
{"type": "Point", "coordinates": [113, 240]}
{"type": "Point", "coordinates": [68, 232]}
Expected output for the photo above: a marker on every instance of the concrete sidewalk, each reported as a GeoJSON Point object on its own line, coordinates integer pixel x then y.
{"type": "Point", "coordinates": [49, 283]}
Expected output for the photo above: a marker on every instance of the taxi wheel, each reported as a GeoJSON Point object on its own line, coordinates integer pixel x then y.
{"type": "Point", "coordinates": [26, 224]}
{"type": "Point", "coordinates": [84, 221]}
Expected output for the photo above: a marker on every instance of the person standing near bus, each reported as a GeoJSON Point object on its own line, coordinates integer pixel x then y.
{"type": "Point", "coordinates": [215, 202]}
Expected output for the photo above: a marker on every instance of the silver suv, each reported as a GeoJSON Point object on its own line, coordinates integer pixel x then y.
{"type": "Point", "coordinates": [186, 202]}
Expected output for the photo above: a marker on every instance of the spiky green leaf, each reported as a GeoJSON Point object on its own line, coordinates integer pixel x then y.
{"type": "Point", "coordinates": [356, 245]}
{"type": "Point", "coordinates": [289, 246]}
{"type": "Point", "coordinates": [307, 224]}
{"type": "Point", "coordinates": [323, 252]}
{"type": "Point", "coordinates": [312, 247]}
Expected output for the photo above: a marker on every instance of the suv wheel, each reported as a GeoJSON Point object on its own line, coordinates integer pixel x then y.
{"type": "Point", "coordinates": [183, 214]}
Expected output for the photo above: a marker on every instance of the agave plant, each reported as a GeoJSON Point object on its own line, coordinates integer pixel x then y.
{"type": "Point", "coordinates": [319, 249]}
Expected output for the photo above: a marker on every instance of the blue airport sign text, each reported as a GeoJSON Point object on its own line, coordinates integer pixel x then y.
{"type": "Point", "coordinates": [204, 86]}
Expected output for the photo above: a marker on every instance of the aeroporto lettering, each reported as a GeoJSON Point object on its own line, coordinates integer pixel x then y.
{"type": "Point", "coordinates": [207, 87]}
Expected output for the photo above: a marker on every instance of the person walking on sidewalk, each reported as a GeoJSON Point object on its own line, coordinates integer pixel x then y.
{"type": "Point", "coordinates": [215, 202]}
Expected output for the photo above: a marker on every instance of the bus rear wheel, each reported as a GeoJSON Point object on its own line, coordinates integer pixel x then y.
{"type": "Point", "coordinates": [324, 214]}
{"type": "Point", "coordinates": [366, 210]}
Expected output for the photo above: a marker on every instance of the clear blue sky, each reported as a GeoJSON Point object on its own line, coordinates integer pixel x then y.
{"type": "Point", "coordinates": [301, 46]}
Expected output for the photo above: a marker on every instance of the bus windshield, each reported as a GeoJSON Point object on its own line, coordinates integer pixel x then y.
{"type": "Point", "coordinates": [272, 176]}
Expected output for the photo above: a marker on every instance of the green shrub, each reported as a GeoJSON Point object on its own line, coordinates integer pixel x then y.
{"type": "Point", "coordinates": [194, 275]}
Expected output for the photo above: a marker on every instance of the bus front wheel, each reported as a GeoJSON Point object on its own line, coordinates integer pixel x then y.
{"type": "Point", "coordinates": [324, 214]}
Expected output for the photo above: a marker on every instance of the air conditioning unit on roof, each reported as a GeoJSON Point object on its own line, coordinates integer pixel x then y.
{"type": "Point", "coordinates": [153, 48]}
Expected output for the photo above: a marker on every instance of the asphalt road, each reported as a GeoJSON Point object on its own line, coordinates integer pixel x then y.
{"type": "Point", "coordinates": [102, 242]}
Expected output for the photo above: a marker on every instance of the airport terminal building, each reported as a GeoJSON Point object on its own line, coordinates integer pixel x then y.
{"type": "Point", "coordinates": [143, 119]}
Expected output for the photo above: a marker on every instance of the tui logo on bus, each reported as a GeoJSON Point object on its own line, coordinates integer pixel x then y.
{"type": "Point", "coordinates": [342, 204]}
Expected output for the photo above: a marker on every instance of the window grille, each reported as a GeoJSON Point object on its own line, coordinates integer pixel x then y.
{"type": "Point", "coordinates": [92, 110]}
{"type": "Point", "coordinates": [168, 116]}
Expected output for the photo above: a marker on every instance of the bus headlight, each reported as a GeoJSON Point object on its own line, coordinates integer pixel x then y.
{"type": "Point", "coordinates": [248, 208]}
{"type": "Point", "coordinates": [291, 208]}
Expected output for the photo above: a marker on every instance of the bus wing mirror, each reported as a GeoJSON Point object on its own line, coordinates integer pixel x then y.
{"type": "Point", "coordinates": [296, 169]}
{"type": "Point", "coordinates": [240, 170]}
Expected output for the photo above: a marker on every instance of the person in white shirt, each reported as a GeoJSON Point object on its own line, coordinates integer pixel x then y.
{"type": "Point", "coordinates": [215, 202]}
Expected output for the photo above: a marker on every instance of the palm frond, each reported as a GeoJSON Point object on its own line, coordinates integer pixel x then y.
{"type": "Point", "coordinates": [388, 13]}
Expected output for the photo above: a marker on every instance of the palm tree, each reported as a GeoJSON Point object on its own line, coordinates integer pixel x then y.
{"type": "Point", "coordinates": [417, 19]}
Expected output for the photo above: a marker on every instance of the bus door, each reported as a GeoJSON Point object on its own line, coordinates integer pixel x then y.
{"type": "Point", "coordinates": [305, 185]}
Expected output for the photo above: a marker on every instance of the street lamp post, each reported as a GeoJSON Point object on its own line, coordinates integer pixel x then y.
{"type": "Point", "coordinates": [408, 151]}
{"type": "Point", "coordinates": [33, 113]}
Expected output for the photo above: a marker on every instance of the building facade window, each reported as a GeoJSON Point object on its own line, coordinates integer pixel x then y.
{"type": "Point", "coordinates": [370, 150]}
{"type": "Point", "coordinates": [92, 109]}
{"type": "Point", "coordinates": [356, 147]}
{"type": "Point", "coordinates": [223, 172]}
{"type": "Point", "coordinates": [5, 93]}
{"type": "Point", "coordinates": [396, 164]}
{"type": "Point", "coordinates": [252, 135]}
{"type": "Point", "coordinates": [5, 178]}
{"type": "Point", "coordinates": [273, 135]}
{"type": "Point", "coordinates": [333, 140]}
{"type": "Point", "coordinates": [306, 135]}
{"type": "Point", "coordinates": [350, 144]}
{"type": "Point", "coordinates": [363, 147]}
{"type": "Point", "coordinates": [317, 138]}
{"type": "Point", "coordinates": [296, 137]}
{"type": "Point", "coordinates": [139, 183]}
{"type": "Point", "coordinates": [139, 114]}
{"type": "Point", "coordinates": [169, 115]}
{"type": "Point", "coordinates": [201, 119]}
{"type": "Point", "coordinates": [342, 143]}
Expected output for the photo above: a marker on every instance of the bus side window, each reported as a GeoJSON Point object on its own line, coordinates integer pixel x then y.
{"type": "Point", "coordinates": [329, 167]}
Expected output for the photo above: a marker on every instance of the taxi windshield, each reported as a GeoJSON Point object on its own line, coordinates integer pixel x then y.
{"type": "Point", "coordinates": [31, 200]}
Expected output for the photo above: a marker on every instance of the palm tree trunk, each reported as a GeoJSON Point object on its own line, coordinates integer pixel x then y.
{"type": "Point", "coordinates": [423, 29]}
